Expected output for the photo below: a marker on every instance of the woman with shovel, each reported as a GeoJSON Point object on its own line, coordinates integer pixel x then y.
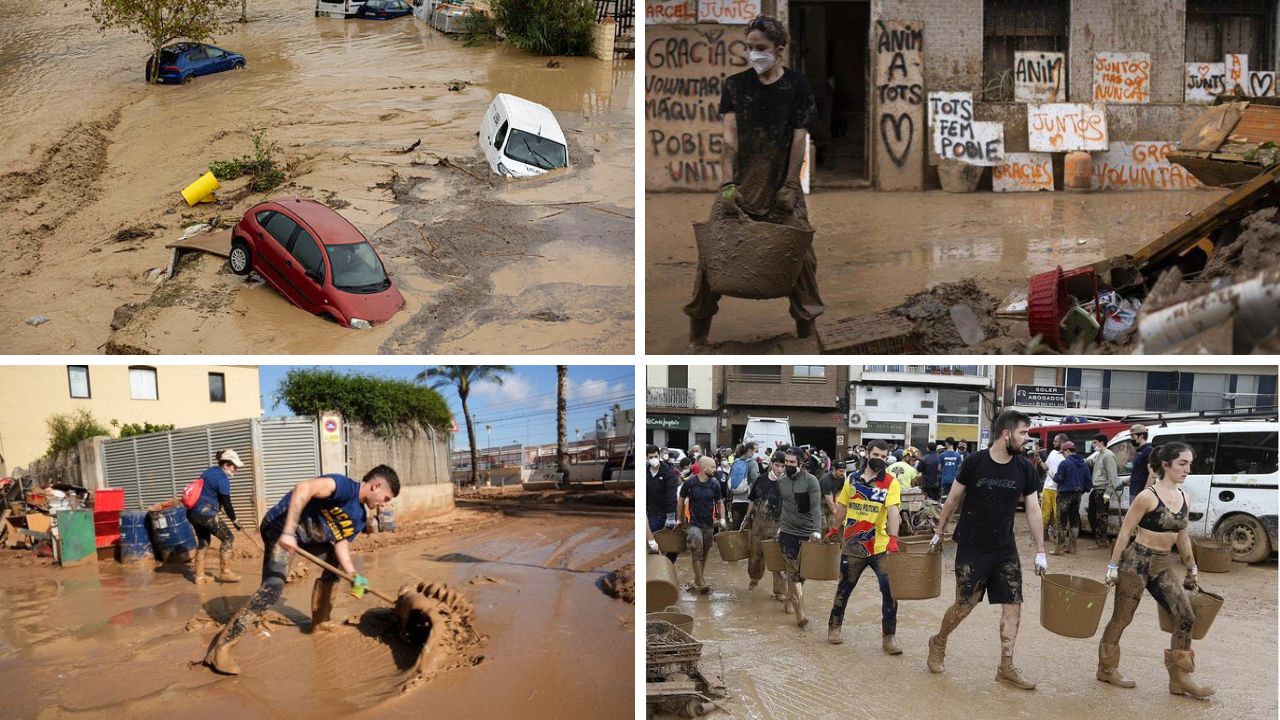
{"type": "Point", "coordinates": [215, 494]}
{"type": "Point", "coordinates": [320, 516]}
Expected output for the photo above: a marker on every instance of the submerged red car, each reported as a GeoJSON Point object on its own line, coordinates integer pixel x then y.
{"type": "Point", "coordinates": [315, 258]}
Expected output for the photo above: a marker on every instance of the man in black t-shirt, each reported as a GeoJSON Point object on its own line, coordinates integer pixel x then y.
{"type": "Point", "coordinates": [990, 485]}
{"type": "Point", "coordinates": [701, 500]}
{"type": "Point", "coordinates": [767, 111]}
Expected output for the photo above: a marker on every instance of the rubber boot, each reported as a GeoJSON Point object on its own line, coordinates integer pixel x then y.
{"type": "Point", "coordinates": [198, 568]}
{"type": "Point", "coordinates": [797, 601]}
{"type": "Point", "coordinates": [322, 597]}
{"type": "Point", "coordinates": [752, 585]}
{"type": "Point", "coordinates": [699, 329]}
{"type": "Point", "coordinates": [804, 328]}
{"type": "Point", "coordinates": [788, 605]}
{"type": "Point", "coordinates": [224, 567]}
{"type": "Point", "coordinates": [833, 633]}
{"type": "Point", "coordinates": [218, 658]}
{"type": "Point", "coordinates": [1108, 664]}
{"type": "Point", "coordinates": [1007, 673]}
{"type": "Point", "coordinates": [1071, 544]}
{"type": "Point", "coordinates": [1059, 543]}
{"type": "Point", "coordinates": [890, 645]}
{"type": "Point", "coordinates": [937, 654]}
{"type": "Point", "coordinates": [1181, 663]}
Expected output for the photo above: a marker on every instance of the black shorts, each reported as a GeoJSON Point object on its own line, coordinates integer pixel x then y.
{"type": "Point", "coordinates": [998, 573]}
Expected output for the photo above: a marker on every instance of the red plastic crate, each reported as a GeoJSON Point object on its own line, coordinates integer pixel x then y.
{"type": "Point", "coordinates": [1048, 302]}
{"type": "Point", "coordinates": [108, 500]}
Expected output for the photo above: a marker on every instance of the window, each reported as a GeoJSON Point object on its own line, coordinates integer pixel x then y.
{"type": "Point", "coordinates": [957, 402]}
{"type": "Point", "coordinates": [1203, 447]}
{"type": "Point", "coordinates": [142, 383]}
{"type": "Point", "coordinates": [926, 404]}
{"type": "Point", "coordinates": [1010, 26]}
{"type": "Point", "coordinates": [1246, 453]}
{"type": "Point", "coordinates": [1215, 28]}
{"type": "Point", "coordinates": [356, 268]}
{"type": "Point", "coordinates": [502, 135]}
{"type": "Point", "coordinates": [280, 227]}
{"type": "Point", "coordinates": [760, 373]}
{"type": "Point", "coordinates": [78, 380]}
{"type": "Point", "coordinates": [678, 376]}
{"type": "Point", "coordinates": [871, 402]}
{"type": "Point", "coordinates": [537, 151]}
{"type": "Point", "coordinates": [217, 387]}
{"type": "Point", "coordinates": [1045, 376]}
{"type": "Point", "coordinates": [308, 255]}
{"type": "Point", "coordinates": [198, 55]}
{"type": "Point", "coordinates": [216, 53]}
{"type": "Point", "coordinates": [810, 371]}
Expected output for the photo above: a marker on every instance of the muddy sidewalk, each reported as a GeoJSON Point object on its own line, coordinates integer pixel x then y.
{"type": "Point", "coordinates": [111, 642]}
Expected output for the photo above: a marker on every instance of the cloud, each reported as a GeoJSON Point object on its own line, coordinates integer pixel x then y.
{"type": "Point", "coordinates": [594, 389]}
{"type": "Point", "coordinates": [514, 388]}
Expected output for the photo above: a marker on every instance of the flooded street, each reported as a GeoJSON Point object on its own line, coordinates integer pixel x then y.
{"type": "Point", "coordinates": [484, 265]}
{"type": "Point", "coordinates": [775, 670]}
{"type": "Point", "coordinates": [103, 641]}
{"type": "Point", "coordinates": [876, 248]}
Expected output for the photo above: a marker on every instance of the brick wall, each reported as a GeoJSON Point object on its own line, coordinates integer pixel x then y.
{"type": "Point", "coordinates": [789, 392]}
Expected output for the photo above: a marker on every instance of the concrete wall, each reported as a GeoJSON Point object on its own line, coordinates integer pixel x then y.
{"type": "Point", "coordinates": [788, 392]}
{"type": "Point", "coordinates": [420, 458]}
{"type": "Point", "coordinates": [79, 466]}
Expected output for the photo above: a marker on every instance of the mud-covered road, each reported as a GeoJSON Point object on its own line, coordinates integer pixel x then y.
{"type": "Point", "coordinates": [109, 642]}
{"type": "Point", "coordinates": [775, 670]}
{"type": "Point", "coordinates": [876, 248]}
{"type": "Point", "coordinates": [92, 159]}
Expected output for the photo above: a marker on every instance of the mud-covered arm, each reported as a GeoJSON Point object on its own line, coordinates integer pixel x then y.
{"type": "Point", "coordinates": [303, 493]}
{"type": "Point", "coordinates": [730, 158]}
{"type": "Point", "coordinates": [1184, 548]}
{"type": "Point", "coordinates": [342, 549]}
{"type": "Point", "coordinates": [797, 155]}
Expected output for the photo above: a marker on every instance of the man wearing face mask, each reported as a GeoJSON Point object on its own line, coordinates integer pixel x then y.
{"type": "Point", "coordinates": [801, 520]}
{"type": "Point", "coordinates": [1138, 476]}
{"type": "Point", "coordinates": [701, 500]}
{"type": "Point", "coordinates": [763, 515]}
{"type": "Point", "coordinates": [831, 484]}
{"type": "Point", "coordinates": [767, 111]}
{"type": "Point", "coordinates": [661, 484]}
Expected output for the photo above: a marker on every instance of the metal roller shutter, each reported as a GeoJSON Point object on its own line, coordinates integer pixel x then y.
{"type": "Point", "coordinates": [238, 436]}
{"type": "Point", "coordinates": [121, 470]}
{"type": "Point", "coordinates": [155, 476]}
{"type": "Point", "coordinates": [290, 454]}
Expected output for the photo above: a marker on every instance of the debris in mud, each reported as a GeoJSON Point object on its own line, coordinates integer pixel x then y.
{"type": "Point", "coordinates": [930, 313]}
{"type": "Point", "coordinates": [1257, 247]}
{"type": "Point", "coordinates": [677, 677]}
{"type": "Point", "coordinates": [442, 622]}
{"type": "Point", "coordinates": [458, 85]}
{"type": "Point", "coordinates": [621, 583]}
{"type": "Point", "coordinates": [124, 314]}
{"type": "Point", "coordinates": [553, 63]}
{"type": "Point", "coordinates": [36, 320]}
{"type": "Point", "coordinates": [412, 146]}
{"type": "Point", "coordinates": [550, 316]}
{"type": "Point", "coordinates": [485, 580]}
{"type": "Point", "coordinates": [133, 232]}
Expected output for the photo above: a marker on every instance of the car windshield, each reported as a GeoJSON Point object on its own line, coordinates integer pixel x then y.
{"type": "Point", "coordinates": [536, 151]}
{"type": "Point", "coordinates": [356, 268]}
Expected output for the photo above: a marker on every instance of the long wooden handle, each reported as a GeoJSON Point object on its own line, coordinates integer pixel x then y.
{"type": "Point", "coordinates": [341, 574]}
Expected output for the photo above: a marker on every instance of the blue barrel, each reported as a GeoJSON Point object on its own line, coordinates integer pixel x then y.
{"type": "Point", "coordinates": [135, 544]}
{"type": "Point", "coordinates": [386, 519]}
{"type": "Point", "coordinates": [173, 532]}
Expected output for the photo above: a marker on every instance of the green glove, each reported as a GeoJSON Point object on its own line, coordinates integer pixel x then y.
{"type": "Point", "coordinates": [728, 192]}
{"type": "Point", "coordinates": [358, 586]}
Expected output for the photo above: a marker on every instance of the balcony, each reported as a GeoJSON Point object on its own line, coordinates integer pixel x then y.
{"type": "Point", "coordinates": [968, 375]}
{"type": "Point", "coordinates": [662, 397]}
{"type": "Point", "coordinates": [1155, 400]}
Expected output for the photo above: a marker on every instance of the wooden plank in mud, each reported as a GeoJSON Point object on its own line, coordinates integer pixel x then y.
{"type": "Point", "coordinates": [1258, 124]}
{"type": "Point", "coordinates": [875, 334]}
{"type": "Point", "coordinates": [1215, 170]}
{"type": "Point", "coordinates": [1212, 127]}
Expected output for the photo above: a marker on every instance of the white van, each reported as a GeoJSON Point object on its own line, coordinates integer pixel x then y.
{"type": "Point", "coordinates": [521, 138]}
{"type": "Point", "coordinates": [338, 8]}
{"type": "Point", "coordinates": [768, 433]}
{"type": "Point", "coordinates": [1232, 485]}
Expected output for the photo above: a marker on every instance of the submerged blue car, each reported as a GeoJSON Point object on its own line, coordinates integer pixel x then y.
{"type": "Point", "coordinates": [181, 62]}
{"type": "Point", "coordinates": [384, 9]}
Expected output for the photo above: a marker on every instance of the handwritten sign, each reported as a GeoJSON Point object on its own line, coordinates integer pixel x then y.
{"type": "Point", "coordinates": [1237, 67]}
{"type": "Point", "coordinates": [1023, 172]}
{"type": "Point", "coordinates": [685, 67]}
{"type": "Point", "coordinates": [1204, 82]}
{"type": "Point", "coordinates": [1261, 84]}
{"type": "Point", "coordinates": [899, 104]}
{"type": "Point", "coordinates": [1061, 127]}
{"type": "Point", "coordinates": [956, 136]}
{"type": "Point", "coordinates": [1122, 77]}
{"type": "Point", "coordinates": [949, 112]}
{"type": "Point", "coordinates": [1140, 166]}
{"type": "Point", "coordinates": [658, 12]}
{"type": "Point", "coordinates": [1037, 77]}
{"type": "Point", "coordinates": [728, 12]}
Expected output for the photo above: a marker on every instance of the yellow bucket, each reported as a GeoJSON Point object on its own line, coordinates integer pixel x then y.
{"type": "Point", "coordinates": [201, 190]}
{"type": "Point", "coordinates": [774, 560]}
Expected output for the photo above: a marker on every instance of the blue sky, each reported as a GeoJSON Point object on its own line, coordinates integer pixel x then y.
{"type": "Point", "coordinates": [522, 410]}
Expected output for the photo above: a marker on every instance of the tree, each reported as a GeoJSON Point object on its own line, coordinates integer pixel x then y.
{"type": "Point", "coordinates": [66, 431]}
{"type": "Point", "coordinates": [462, 378]}
{"type": "Point", "coordinates": [160, 22]}
{"type": "Point", "coordinates": [562, 425]}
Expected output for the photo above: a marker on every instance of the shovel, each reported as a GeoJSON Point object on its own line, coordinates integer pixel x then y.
{"type": "Point", "coordinates": [341, 574]}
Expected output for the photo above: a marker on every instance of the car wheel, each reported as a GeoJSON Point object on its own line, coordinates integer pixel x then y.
{"type": "Point", "coordinates": [238, 66]}
{"type": "Point", "coordinates": [186, 79]}
{"type": "Point", "coordinates": [241, 258]}
{"type": "Point", "coordinates": [1247, 538]}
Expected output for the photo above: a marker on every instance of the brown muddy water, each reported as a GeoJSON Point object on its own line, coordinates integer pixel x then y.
{"type": "Point", "coordinates": [775, 670]}
{"type": "Point", "coordinates": [876, 248]}
{"type": "Point", "coordinates": [106, 641]}
{"type": "Point", "coordinates": [87, 150]}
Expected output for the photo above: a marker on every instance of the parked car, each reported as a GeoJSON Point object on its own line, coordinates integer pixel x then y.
{"type": "Point", "coordinates": [384, 9]}
{"type": "Point", "coordinates": [181, 62]}
{"type": "Point", "coordinates": [315, 258]}
{"type": "Point", "coordinates": [521, 138]}
{"type": "Point", "coordinates": [338, 8]}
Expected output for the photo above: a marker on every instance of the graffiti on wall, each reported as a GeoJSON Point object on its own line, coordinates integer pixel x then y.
{"type": "Point", "coordinates": [899, 102]}
{"type": "Point", "coordinates": [1122, 77]}
{"type": "Point", "coordinates": [1023, 172]}
{"type": "Point", "coordinates": [728, 12]}
{"type": "Point", "coordinates": [1061, 127]}
{"type": "Point", "coordinates": [670, 11]}
{"type": "Point", "coordinates": [1261, 84]}
{"type": "Point", "coordinates": [1205, 81]}
{"type": "Point", "coordinates": [957, 136]}
{"type": "Point", "coordinates": [1140, 166]}
{"type": "Point", "coordinates": [1037, 77]}
{"type": "Point", "coordinates": [1237, 67]}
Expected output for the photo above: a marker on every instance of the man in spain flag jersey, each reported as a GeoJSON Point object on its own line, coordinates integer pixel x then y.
{"type": "Point", "coordinates": [868, 511]}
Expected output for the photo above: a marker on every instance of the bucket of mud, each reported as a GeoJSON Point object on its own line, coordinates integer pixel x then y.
{"type": "Point", "coordinates": [733, 545]}
{"type": "Point", "coordinates": [820, 561]}
{"type": "Point", "coordinates": [752, 259]}
{"type": "Point", "coordinates": [135, 544]}
{"type": "Point", "coordinates": [386, 519]}
{"type": "Point", "coordinates": [915, 544]}
{"type": "Point", "coordinates": [173, 533]}
{"type": "Point", "coordinates": [774, 560]}
{"type": "Point", "coordinates": [660, 582]}
{"type": "Point", "coordinates": [1211, 555]}
{"type": "Point", "coordinates": [1071, 606]}
{"type": "Point", "coordinates": [201, 190]}
{"type": "Point", "coordinates": [958, 177]}
{"type": "Point", "coordinates": [914, 576]}
{"type": "Point", "coordinates": [1205, 605]}
{"type": "Point", "coordinates": [670, 541]}
{"type": "Point", "coordinates": [673, 615]}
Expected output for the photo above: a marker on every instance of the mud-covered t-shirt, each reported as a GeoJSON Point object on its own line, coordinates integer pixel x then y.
{"type": "Point", "coordinates": [866, 513]}
{"type": "Point", "coordinates": [765, 492]}
{"type": "Point", "coordinates": [341, 516]}
{"type": "Point", "coordinates": [702, 497]}
{"type": "Point", "coordinates": [992, 492]}
{"type": "Point", "coordinates": [767, 117]}
{"type": "Point", "coordinates": [216, 484]}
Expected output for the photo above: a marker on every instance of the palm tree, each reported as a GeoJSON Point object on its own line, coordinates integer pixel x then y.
{"type": "Point", "coordinates": [562, 425]}
{"type": "Point", "coordinates": [463, 378]}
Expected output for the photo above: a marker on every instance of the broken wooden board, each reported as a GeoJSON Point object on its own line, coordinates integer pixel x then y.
{"type": "Point", "coordinates": [1217, 170]}
{"type": "Point", "coordinates": [1212, 127]}
{"type": "Point", "coordinates": [215, 243]}
{"type": "Point", "coordinates": [874, 334]}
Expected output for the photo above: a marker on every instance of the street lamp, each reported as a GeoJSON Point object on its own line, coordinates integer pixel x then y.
{"type": "Point", "coordinates": [488, 442]}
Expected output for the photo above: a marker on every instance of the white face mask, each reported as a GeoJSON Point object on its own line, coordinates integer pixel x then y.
{"type": "Point", "coordinates": [653, 462]}
{"type": "Point", "coordinates": [761, 61]}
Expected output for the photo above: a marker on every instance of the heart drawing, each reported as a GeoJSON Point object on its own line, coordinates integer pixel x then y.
{"type": "Point", "coordinates": [904, 130]}
{"type": "Point", "coordinates": [1262, 84]}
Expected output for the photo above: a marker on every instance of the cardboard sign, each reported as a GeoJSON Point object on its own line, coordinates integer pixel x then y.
{"type": "Point", "coordinates": [1261, 84]}
{"type": "Point", "coordinates": [1140, 166]}
{"type": "Point", "coordinates": [948, 112]}
{"type": "Point", "coordinates": [1237, 67]}
{"type": "Point", "coordinates": [1122, 77]}
{"type": "Point", "coordinates": [1062, 127]}
{"type": "Point", "coordinates": [1023, 172]}
{"type": "Point", "coordinates": [728, 12]}
{"type": "Point", "coordinates": [1204, 82]}
{"type": "Point", "coordinates": [670, 12]}
{"type": "Point", "coordinates": [1037, 77]}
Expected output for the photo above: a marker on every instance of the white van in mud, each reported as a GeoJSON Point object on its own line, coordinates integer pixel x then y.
{"type": "Point", "coordinates": [768, 433]}
{"type": "Point", "coordinates": [338, 8]}
{"type": "Point", "coordinates": [520, 138]}
{"type": "Point", "coordinates": [1232, 487]}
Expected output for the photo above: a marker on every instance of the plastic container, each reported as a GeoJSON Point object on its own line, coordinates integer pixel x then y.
{"type": "Point", "coordinates": [1206, 606]}
{"type": "Point", "coordinates": [135, 544]}
{"type": "Point", "coordinates": [914, 576]}
{"type": "Point", "coordinates": [1071, 606]}
{"type": "Point", "coordinates": [733, 545]}
{"type": "Point", "coordinates": [672, 614]}
{"type": "Point", "coordinates": [201, 190]}
{"type": "Point", "coordinates": [660, 582]}
{"type": "Point", "coordinates": [1211, 555]}
{"type": "Point", "coordinates": [1048, 301]}
{"type": "Point", "coordinates": [751, 259]}
{"type": "Point", "coordinates": [915, 544]}
{"type": "Point", "coordinates": [173, 533]}
{"type": "Point", "coordinates": [774, 560]}
{"type": "Point", "coordinates": [820, 561]}
{"type": "Point", "coordinates": [670, 541]}
{"type": "Point", "coordinates": [1077, 171]}
{"type": "Point", "coordinates": [959, 177]}
{"type": "Point", "coordinates": [108, 500]}
{"type": "Point", "coordinates": [386, 520]}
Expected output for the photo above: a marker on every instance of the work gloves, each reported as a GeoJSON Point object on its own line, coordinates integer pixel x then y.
{"type": "Point", "coordinates": [787, 196]}
{"type": "Point", "coordinates": [236, 524]}
{"type": "Point", "coordinates": [724, 524]}
{"type": "Point", "coordinates": [359, 586]}
{"type": "Point", "coordinates": [729, 192]}
{"type": "Point", "coordinates": [816, 536]}
{"type": "Point", "coordinates": [832, 534]}
{"type": "Point", "coordinates": [1189, 582]}
{"type": "Point", "coordinates": [653, 546]}
{"type": "Point", "coordinates": [936, 543]}
{"type": "Point", "coordinates": [671, 520]}
{"type": "Point", "coordinates": [1113, 574]}
{"type": "Point", "coordinates": [1042, 564]}
{"type": "Point", "coordinates": [893, 544]}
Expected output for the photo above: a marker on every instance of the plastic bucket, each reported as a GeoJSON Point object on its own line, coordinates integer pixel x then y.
{"type": "Point", "coordinates": [1211, 555]}
{"type": "Point", "coordinates": [1206, 606]}
{"type": "Point", "coordinates": [1071, 606]}
{"type": "Point", "coordinates": [820, 561]}
{"type": "Point", "coordinates": [915, 544]}
{"type": "Point", "coordinates": [751, 259]}
{"type": "Point", "coordinates": [774, 560]}
{"type": "Point", "coordinates": [670, 541]}
{"type": "Point", "coordinates": [386, 520]}
{"type": "Point", "coordinates": [660, 582]}
{"type": "Point", "coordinates": [733, 545]}
{"type": "Point", "coordinates": [957, 177]}
{"type": "Point", "coordinates": [673, 615]}
{"type": "Point", "coordinates": [135, 544]}
{"type": "Point", "coordinates": [173, 533]}
{"type": "Point", "coordinates": [201, 190]}
{"type": "Point", "coordinates": [914, 576]}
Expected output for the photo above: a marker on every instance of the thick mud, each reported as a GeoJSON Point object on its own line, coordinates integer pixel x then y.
{"type": "Point", "coordinates": [376, 119]}
{"type": "Point", "coordinates": [517, 627]}
{"type": "Point", "coordinates": [775, 670]}
{"type": "Point", "coordinates": [875, 249]}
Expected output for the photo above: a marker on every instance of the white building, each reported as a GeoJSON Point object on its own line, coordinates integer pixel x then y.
{"type": "Point", "coordinates": [680, 406]}
{"type": "Point", "coordinates": [919, 404]}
